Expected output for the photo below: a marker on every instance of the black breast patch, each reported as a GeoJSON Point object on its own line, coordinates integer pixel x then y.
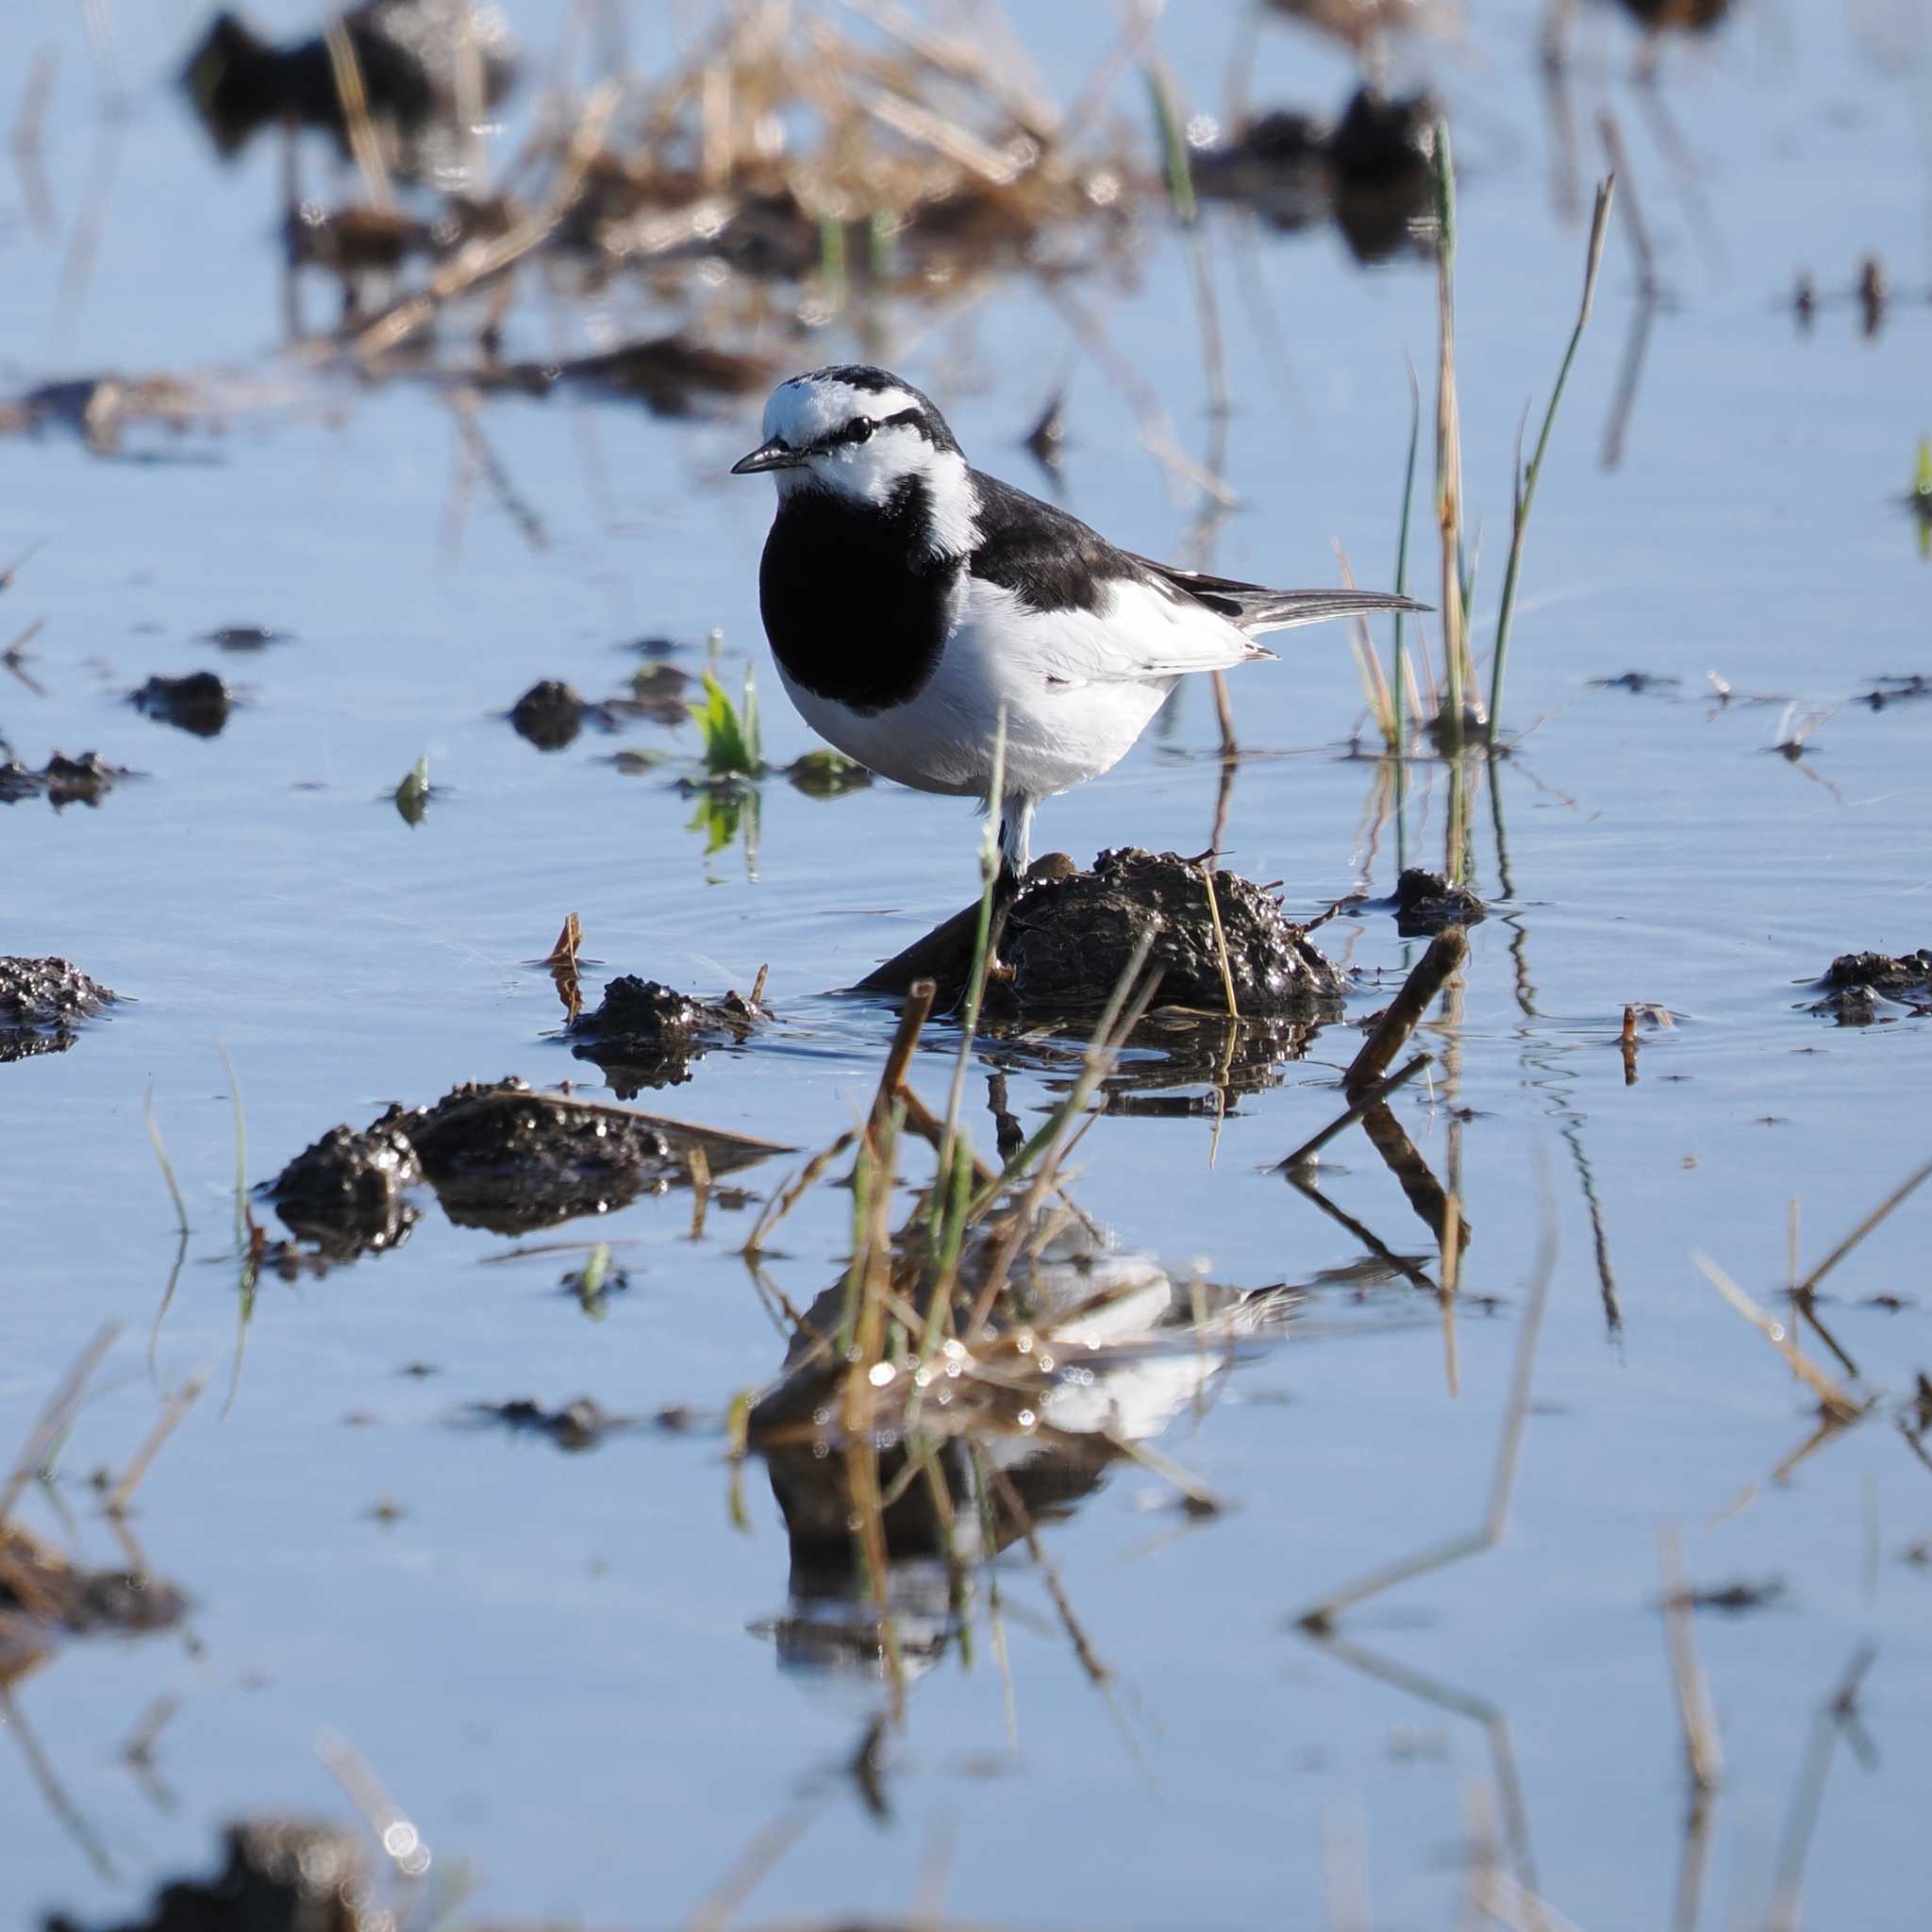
{"type": "Point", "coordinates": [855, 611]}
{"type": "Point", "coordinates": [1053, 560]}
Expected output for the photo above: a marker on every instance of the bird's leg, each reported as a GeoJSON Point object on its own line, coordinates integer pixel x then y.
{"type": "Point", "coordinates": [1016, 828]}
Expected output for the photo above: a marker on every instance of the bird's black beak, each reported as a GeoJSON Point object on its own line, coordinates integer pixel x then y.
{"type": "Point", "coordinates": [774, 455]}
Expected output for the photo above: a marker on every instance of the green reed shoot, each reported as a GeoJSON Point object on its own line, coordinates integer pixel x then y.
{"type": "Point", "coordinates": [1399, 720]}
{"type": "Point", "coordinates": [1525, 479]}
{"type": "Point", "coordinates": [1174, 145]}
{"type": "Point", "coordinates": [413, 794]}
{"type": "Point", "coordinates": [956, 1160]}
{"type": "Point", "coordinates": [729, 734]}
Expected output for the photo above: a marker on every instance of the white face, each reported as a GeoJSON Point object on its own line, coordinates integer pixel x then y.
{"type": "Point", "coordinates": [853, 448]}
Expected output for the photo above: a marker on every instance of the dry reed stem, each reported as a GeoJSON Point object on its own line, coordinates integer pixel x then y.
{"type": "Point", "coordinates": [1477, 1711]}
{"type": "Point", "coordinates": [56, 1414]}
{"type": "Point", "coordinates": [1449, 450]}
{"type": "Point", "coordinates": [1121, 1016]}
{"type": "Point", "coordinates": [1429, 976]}
{"type": "Point", "coordinates": [564, 952]}
{"type": "Point", "coordinates": [782, 1204]}
{"type": "Point", "coordinates": [390, 1827]}
{"type": "Point", "coordinates": [912, 1019]}
{"type": "Point", "coordinates": [1372, 1098]}
{"type": "Point", "coordinates": [1704, 1755]}
{"type": "Point", "coordinates": [478, 260]}
{"type": "Point", "coordinates": [52, 1792]}
{"type": "Point", "coordinates": [1648, 282]}
{"type": "Point", "coordinates": [1839, 1406]}
{"type": "Point", "coordinates": [183, 1400]}
{"type": "Point", "coordinates": [1885, 1207]}
{"type": "Point", "coordinates": [1320, 1617]}
{"type": "Point", "coordinates": [354, 100]}
{"type": "Point", "coordinates": [153, 1133]}
{"type": "Point", "coordinates": [1837, 1711]}
{"type": "Point", "coordinates": [719, 1907]}
{"type": "Point", "coordinates": [1512, 1903]}
{"type": "Point", "coordinates": [1090, 1659]}
{"type": "Point", "coordinates": [1234, 1012]}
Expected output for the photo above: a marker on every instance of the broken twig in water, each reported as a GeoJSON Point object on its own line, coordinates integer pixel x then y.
{"type": "Point", "coordinates": [1364, 1103]}
{"type": "Point", "coordinates": [1832, 1396]}
{"type": "Point", "coordinates": [1446, 952]}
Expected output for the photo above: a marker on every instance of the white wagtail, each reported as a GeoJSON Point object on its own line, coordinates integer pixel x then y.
{"type": "Point", "coordinates": [910, 599]}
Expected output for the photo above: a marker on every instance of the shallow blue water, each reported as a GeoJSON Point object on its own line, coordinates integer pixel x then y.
{"type": "Point", "coordinates": [551, 1660]}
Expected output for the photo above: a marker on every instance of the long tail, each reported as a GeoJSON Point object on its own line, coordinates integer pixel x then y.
{"type": "Point", "coordinates": [1265, 610]}
{"type": "Point", "coordinates": [1253, 608]}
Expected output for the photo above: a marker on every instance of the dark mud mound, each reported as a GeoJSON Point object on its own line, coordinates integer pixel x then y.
{"type": "Point", "coordinates": [345, 1191]}
{"type": "Point", "coordinates": [281, 1875]}
{"type": "Point", "coordinates": [510, 1159]}
{"type": "Point", "coordinates": [1370, 171]}
{"type": "Point", "coordinates": [1861, 988]}
{"type": "Point", "coordinates": [62, 780]}
{"type": "Point", "coordinates": [1424, 902]}
{"type": "Point", "coordinates": [499, 1155]}
{"type": "Point", "coordinates": [407, 51]}
{"type": "Point", "coordinates": [549, 715]}
{"type": "Point", "coordinates": [584, 1424]}
{"type": "Point", "coordinates": [646, 1034]}
{"type": "Point", "coordinates": [198, 703]}
{"type": "Point", "coordinates": [41, 1002]}
{"type": "Point", "coordinates": [1069, 940]}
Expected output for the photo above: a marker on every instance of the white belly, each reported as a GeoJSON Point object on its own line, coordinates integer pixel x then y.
{"type": "Point", "coordinates": [942, 738]}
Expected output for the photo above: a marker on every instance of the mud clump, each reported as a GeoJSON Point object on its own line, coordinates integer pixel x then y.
{"type": "Point", "coordinates": [1425, 902]}
{"type": "Point", "coordinates": [1859, 987]}
{"type": "Point", "coordinates": [509, 1160]}
{"type": "Point", "coordinates": [281, 1875]}
{"type": "Point", "coordinates": [1069, 940]}
{"type": "Point", "coordinates": [40, 1002]}
{"type": "Point", "coordinates": [646, 1034]}
{"type": "Point", "coordinates": [345, 1191]}
{"type": "Point", "coordinates": [62, 780]}
{"type": "Point", "coordinates": [1370, 172]}
{"type": "Point", "coordinates": [42, 1590]}
{"type": "Point", "coordinates": [244, 637]}
{"type": "Point", "coordinates": [406, 52]}
{"type": "Point", "coordinates": [48, 992]}
{"type": "Point", "coordinates": [549, 715]}
{"type": "Point", "coordinates": [501, 1156]}
{"type": "Point", "coordinates": [573, 1426]}
{"type": "Point", "coordinates": [198, 703]}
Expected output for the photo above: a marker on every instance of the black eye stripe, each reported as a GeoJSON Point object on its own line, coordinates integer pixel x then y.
{"type": "Point", "coordinates": [861, 428]}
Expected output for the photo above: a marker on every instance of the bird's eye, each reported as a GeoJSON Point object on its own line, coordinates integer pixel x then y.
{"type": "Point", "coordinates": [860, 431]}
